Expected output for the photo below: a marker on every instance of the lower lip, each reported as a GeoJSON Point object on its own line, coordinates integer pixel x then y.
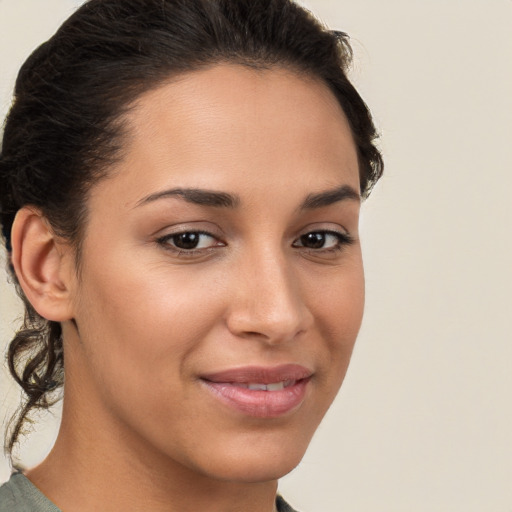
{"type": "Point", "coordinates": [258, 403]}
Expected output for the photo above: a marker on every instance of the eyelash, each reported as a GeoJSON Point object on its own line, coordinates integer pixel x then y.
{"type": "Point", "coordinates": [343, 240]}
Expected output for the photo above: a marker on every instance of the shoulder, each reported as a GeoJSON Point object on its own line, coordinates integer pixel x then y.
{"type": "Point", "coordinates": [20, 495]}
{"type": "Point", "coordinates": [9, 495]}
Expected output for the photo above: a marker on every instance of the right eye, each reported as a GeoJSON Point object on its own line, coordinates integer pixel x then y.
{"type": "Point", "coordinates": [189, 241]}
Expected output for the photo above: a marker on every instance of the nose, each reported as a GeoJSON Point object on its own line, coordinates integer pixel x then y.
{"type": "Point", "coordinates": [268, 302]}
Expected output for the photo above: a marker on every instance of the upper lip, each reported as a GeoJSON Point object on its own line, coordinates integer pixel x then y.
{"type": "Point", "coordinates": [260, 374]}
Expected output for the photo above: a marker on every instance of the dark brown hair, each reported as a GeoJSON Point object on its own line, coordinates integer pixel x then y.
{"type": "Point", "coordinates": [64, 129]}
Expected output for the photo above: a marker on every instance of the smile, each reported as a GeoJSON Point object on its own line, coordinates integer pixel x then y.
{"type": "Point", "coordinates": [260, 392]}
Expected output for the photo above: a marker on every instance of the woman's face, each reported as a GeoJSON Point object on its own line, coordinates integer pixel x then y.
{"type": "Point", "coordinates": [221, 284]}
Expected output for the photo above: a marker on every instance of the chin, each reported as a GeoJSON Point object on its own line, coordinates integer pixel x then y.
{"type": "Point", "coordinates": [258, 471]}
{"type": "Point", "coordinates": [255, 461]}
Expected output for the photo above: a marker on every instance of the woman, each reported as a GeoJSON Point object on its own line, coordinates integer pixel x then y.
{"type": "Point", "coordinates": [180, 190]}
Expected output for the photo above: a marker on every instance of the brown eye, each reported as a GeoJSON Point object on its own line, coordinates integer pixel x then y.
{"type": "Point", "coordinates": [313, 240]}
{"type": "Point", "coordinates": [323, 240]}
{"type": "Point", "coordinates": [189, 241]}
{"type": "Point", "coordinates": [186, 240]}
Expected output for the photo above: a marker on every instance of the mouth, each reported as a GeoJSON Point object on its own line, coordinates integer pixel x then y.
{"type": "Point", "coordinates": [260, 392]}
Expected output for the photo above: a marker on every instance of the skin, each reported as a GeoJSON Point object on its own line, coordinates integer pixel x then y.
{"type": "Point", "coordinates": [143, 321]}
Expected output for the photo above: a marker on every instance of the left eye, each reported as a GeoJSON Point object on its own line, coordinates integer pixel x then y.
{"type": "Point", "coordinates": [189, 240]}
{"type": "Point", "coordinates": [322, 240]}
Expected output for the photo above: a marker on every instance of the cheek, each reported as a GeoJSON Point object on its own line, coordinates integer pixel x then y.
{"type": "Point", "coordinates": [338, 310]}
{"type": "Point", "coordinates": [339, 302]}
{"type": "Point", "coordinates": [141, 325]}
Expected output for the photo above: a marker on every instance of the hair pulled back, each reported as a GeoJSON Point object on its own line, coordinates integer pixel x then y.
{"type": "Point", "coordinates": [65, 126]}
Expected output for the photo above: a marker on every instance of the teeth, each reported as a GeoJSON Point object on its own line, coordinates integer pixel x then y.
{"type": "Point", "coordinates": [257, 387]}
{"type": "Point", "coordinates": [274, 386]}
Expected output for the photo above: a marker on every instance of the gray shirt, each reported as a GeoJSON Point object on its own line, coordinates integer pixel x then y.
{"type": "Point", "coordinates": [19, 494]}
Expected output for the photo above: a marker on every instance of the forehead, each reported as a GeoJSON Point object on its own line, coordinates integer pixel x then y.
{"type": "Point", "coordinates": [238, 126]}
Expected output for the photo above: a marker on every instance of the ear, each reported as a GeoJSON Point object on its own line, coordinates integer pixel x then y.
{"type": "Point", "coordinates": [43, 265]}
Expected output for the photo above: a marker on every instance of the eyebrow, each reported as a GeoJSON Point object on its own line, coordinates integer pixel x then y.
{"type": "Point", "coordinates": [224, 200]}
{"type": "Point", "coordinates": [329, 197]}
{"type": "Point", "coordinates": [196, 196]}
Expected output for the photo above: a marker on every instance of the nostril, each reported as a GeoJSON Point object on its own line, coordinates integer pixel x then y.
{"type": "Point", "coordinates": [254, 333]}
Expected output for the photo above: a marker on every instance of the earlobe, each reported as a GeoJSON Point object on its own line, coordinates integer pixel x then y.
{"type": "Point", "coordinates": [42, 265]}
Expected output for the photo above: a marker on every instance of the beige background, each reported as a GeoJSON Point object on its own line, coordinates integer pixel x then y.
{"type": "Point", "coordinates": [424, 420]}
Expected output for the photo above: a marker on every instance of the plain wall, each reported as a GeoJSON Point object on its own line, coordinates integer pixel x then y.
{"type": "Point", "coordinates": [424, 418]}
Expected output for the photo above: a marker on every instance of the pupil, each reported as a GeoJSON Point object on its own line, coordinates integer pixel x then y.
{"type": "Point", "coordinates": [313, 240]}
{"type": "Point", "coordinates": [186, 240]}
